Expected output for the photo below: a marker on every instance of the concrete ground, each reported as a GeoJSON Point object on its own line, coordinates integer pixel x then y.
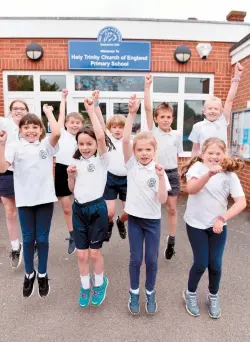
{"type": "Point", "coordinates": [58, 317]}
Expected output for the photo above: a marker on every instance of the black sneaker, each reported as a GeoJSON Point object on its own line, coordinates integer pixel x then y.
{"type": "Point", "coordinates": [28, 286]}
{"type": "Point", "coordinates": [111, 224]}
{"type": "Point", "coordinates": [169, 251]}
{"type": "Point", "coordinates": [16, 257]}
{"type": "Point", "coordinates": [72, 245]}
{"type": "Point", "coordinates": [43, 286]}
{"type": "Point", "coordinates": [121, 228]}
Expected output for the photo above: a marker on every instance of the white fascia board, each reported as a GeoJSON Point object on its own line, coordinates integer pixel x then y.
{"type": "Point", "coordinates": [240, 52]}
{"type": "Point", "coordinates": [130, 29]}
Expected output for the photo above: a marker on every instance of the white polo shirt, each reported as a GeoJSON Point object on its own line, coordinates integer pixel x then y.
{"type": "Point", "coordinates": [116, 159]}
{"type": "Point", "coordinates": [143, 185]}
{"type": "Point", "coordinates": [169, 145]}
{"type": "Point", "coordinates": [91, 177]}
{"type": "Point", "coordinates": [211, 201]}
{"type": "Point", "coordinates": [12, 131]}
{"type": "Point", "coordinates": [206, 129]}
{"type": "Point", "coordinates": [67, 147]}
{"type": "Point", "coordinates": [33, 172]}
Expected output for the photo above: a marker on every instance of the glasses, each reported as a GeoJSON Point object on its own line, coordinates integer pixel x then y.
{"type": "Point", "coordinates": [15, 109]}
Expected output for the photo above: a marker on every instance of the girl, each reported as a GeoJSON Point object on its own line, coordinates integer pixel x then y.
{"type": "Point", "coordinates": [64, 157]}
{"type": "Point", "coordinates": [117, 173]}
{"type": "Point", "coordinates": [32, 162]}
{"type": "Point", "coordinates": [87, 179]}
{"type": "Point", "coordinates": [18, 109]}
{"type": "Point", "coordinates": [147, 189]}
{"type": "Point", "coordinates": [210, 180]}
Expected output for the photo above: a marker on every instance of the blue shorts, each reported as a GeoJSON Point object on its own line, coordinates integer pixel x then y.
{"type": "Point", "coordinates": [7, 184]}
{"type": "Point", "coordinates": [116, 185]}
{"type": "Point", "coordinates": [90, 223]}
{"type": "Point", "coordinates": [174, 180]}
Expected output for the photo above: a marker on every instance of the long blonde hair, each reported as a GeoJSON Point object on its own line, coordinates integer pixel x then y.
{"type": "Point", "coordinates": [228, 164]}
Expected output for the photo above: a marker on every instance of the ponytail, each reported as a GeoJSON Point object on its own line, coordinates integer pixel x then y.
{"type": "Point", "coordinates": [186, 167]}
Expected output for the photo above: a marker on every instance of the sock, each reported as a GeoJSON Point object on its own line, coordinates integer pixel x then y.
{"type": "Point", "coordinates": [189, 292]}
{"type": "Point", "coordinates": [42, 275]}
{"type": "Point", "coordinates": [29, 276]}
{"type": "Point", "coordinates": [149, 292]}
{"type": "Point", "coordinates": [85, 281]}
{"type": "Point", "coordinates": [98, 279]}
{"type": "Point", "coordinates": [135, 291]}
{"type": "Point", "coordinates": [212, 294]}
{"type": "Point", "coordinates": [171, 239]}
{"type": "Point", "coordinates": [15, 244]}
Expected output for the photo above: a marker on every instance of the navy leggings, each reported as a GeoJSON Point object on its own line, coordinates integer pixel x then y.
{"type": "Point", "coordinates": [35, 225]}
{"type": "Point", "coordinates": [140, 229]}
{"type": "Point", "coordinates": [208, 248]}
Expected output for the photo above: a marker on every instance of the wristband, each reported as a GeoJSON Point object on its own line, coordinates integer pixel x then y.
{"type": "Point", "coordinates": [236, 79]}
{"type": "Point", "coordinates": [221, 218]}
{"type": "Point", "coordinates": [96, 103]}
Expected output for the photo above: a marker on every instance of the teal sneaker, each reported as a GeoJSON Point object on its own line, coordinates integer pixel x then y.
{"type": "Point", "coordinates": [99, 293]}
{"type": "Point", "coordinates": [84, 297]}
{"type": "Point", "coordinates": [191, 303]}
{"type": "Point", "coordinates": [214, 309]}
{"type": "Point", "coordinates": [151, 304]}
{"type": "Point", "coordinates": [134, 303]}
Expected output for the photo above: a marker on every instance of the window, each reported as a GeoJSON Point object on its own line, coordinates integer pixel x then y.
{"type": "Point", "coordinates": [122, 108]}
{"type": "Point", "coordinates": [166, 84]}
{"type": "Point", "coordinates": [197, 85]}
{"type": "Point", "coordinates": [174, 105]}
{"type": "Point", "coordinates": [20, 83]}
{"type": "Point", "coordinates": [192, 115]}
{"type": "Point", "coordinates": [109, 83]}
{"type": "Point", "coordinates": [82, 110]}
{"type": "Point", "coordinates": [52, 82]}
{"type": "Point", "coordinates": [56, 106]}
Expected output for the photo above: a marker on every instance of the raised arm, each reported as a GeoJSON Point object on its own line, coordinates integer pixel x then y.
{"type": "Point", "coordinates": [162, 194]}
{"type": "Point", "coordinates": [147, 102]}
{"type": "Point", "coordinates": [99, 132]}
{"type": "Point", "coordinates": [232, 91]}
{"type": "Point", "coordinates": [54, 125]}
{"type": "Point", "coordinates": [126, 139]}
{"type": "Point", "coordinates": [4, 165]}
{"type": "Point", "coordinates": [194, 185]}
{"type": "Point", "coordinates": [62, 110]}
{"type": "Point", "coordinates": [71, 170]}
{"type": "Point", "coordinates": [95, 98]}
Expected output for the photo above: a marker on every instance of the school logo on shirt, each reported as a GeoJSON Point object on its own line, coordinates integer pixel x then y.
{"type": "Point", "coordinates": [151, 182]}
{"type": "Point", "coordinates": [91, 168]}
{"type": "Point", "coordinates": [43, 154]}
{"type": "Point", "coordinates": [225, 185]}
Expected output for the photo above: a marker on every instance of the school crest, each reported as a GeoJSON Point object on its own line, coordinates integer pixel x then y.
{"type": "Point", "coordinates": [151, 182]}
{"type": "Point", "coordinates": [91, 168]}
{"type": "Point", "coordinates": [43, 154]}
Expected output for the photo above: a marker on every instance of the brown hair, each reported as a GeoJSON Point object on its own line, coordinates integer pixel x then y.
{"type": "Point", "coordinates": [21, 101]}
{"type": "Point", "coordinates": [229, 164]}
{"type": "Point", "coordinates": [74, 115]}
{"type": "Point", "coordinates": [90, 131]}
{"type": "Point", "coordinates": [118, 120]}
{"type": "Point", "coordinates": [35, 120]}
{"type": "Point", "coordinates": [145, 136]}
{"type": "Point", "coordinates": [163, 106]}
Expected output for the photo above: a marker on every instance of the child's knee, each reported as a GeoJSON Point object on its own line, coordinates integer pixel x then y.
{"type": "Point", "coordinates": [83, 256]}
{"type": "Point", "coordinates": [172, 211]}
{"type": "Point", "coordinates": [95, 254]}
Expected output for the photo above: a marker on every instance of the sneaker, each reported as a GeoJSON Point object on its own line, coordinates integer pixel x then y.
{"type": "Point", "coordinates": [169, 250]}
{"type": "Point", "coordinates": [134, 303]}
{"type": "Point", "coordinates": [43, 286]}
{"type": "Point", "coordinates": [28, 286]}
{"type": "Point", "coordinates": [151, 304]}
{"type": "Point", "coordinates": [214, 309]}
{"type": "Point", "coordinates": [84, 297]}
{"type": "Point", "coordinates": [121, 228]}
{"type": "Point", "coordinates": [16, 257]}
{"type": "Point", "coordinates": [111, 224]}
{"type": "Point", "coordinates": [99, 293]}
{"type": "Point", "coordinates": [191, 303]}
{"type": "Point", "coordinates": [35, 252]}
{"type": "Point", "coordinates": [72, 245]}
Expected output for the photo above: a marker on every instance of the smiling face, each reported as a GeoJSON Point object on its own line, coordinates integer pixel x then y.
{"type": "Point", "coordinates": [18, 110]}
{"type": "Point", "coordinates": [164, 119]}
{"type": "Point", "coordinates": [213, 155]}
{"type": "Point", "coordinates": [117, 131]}
{"type": "Point", "coordinates": [212, 110]}
{"type": "Point", "coordinates": [86, 145]}
{"type": "Point", "coordinates": [144, 151]}
{"type": "Point", "coordinates": [31, 132]}
{"type": "Point", "coordinates": [73, 125]}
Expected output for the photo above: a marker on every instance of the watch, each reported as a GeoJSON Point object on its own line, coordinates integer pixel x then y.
{"type": "Point", "coordinates": [221, 218]}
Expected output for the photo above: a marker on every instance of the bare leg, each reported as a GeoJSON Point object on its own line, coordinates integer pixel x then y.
{"type": "Point", "coordinates": [111, 209]}
{"type": "Point", "coordinates": [66, 204]}
{"type": "Point", "coordinates": [124, 216]}
{"type": "Point", "coordinates": [11, 217]}
{"type": "Point", "coordinates": [83, 261]}
{"type": "Point", "coordinates": [172, 214]}
{"type": "Point", "coordinates": [97, 260]}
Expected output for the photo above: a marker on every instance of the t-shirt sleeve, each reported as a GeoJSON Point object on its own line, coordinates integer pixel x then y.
{"type": "Point", "coordinates": [49, 148]}
{"type": "Point", "coordinates": [194, 135]}
{"type": "Point", "coordinates": [10, 151]}
{"type": "Point", "coordinates": [196, 171]}
{"type": "Point", "coordinates": [105, 159]}
{"type": "Point", "coordinates": [130, 163]}
{"type": "Point", "coordinates": [167, 182]}
{"type": "Point", "coordinates": [235, 186]}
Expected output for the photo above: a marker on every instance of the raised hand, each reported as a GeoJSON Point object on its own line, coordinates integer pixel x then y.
{"type": "Point", "coordinates": [95, 95]}
{"type": "Point", "coordinates": [238, 69]}
{"type": "Point", "coordinates": [159, 169]}
{"type": "Point", "coordinates": [148, 81]}
{"type": "Point", "coordinates": [89, 104]}
{"type": "Point", "coordinates": [47, 109]}
{"type": "Point", "coordinates": [65, 93]}
{"type": "Point", "coordinates": [71, 170]}
{"type": "Point", "coordinates": [133, 105]}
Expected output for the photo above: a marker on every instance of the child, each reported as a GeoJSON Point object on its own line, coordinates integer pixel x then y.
{"type": "Point", "coordinates": [217, 118]}
{"type": "Point", "coordinates": [18, 109]}
{"type": "Point", "coordinates": [87, 179]}
{"type": "Point", "coordinates": [117, 173]}
{"type": "Point", "coordinates": [147, 189]}
{"type": "Point", "coordinates": [169, 144]}
{"type": "Point", "coordinates": [210, 180]}
{"type": "Point", "coordinates": [64, 157]}
{"type": "Point", "coordinates": [32, 161]}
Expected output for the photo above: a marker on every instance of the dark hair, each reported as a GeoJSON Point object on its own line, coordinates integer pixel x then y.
{"type": "Point", "coordinates": [35, 120]}
{"type": "Point", "coordinates": [21, 101]}
{"type": "Point", "coordinates": [90, 131]}
{"type": "Point", "coordinates": [163, 106]}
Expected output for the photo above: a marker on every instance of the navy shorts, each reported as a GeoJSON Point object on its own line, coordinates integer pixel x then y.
{"type": "Point", "coordinates": [90, 224]}
{"type": "Point", "coordinates": [116, 185]}
{"type": "Point", "coordinates": [61, 181]}
{"type": "Point", "coordinates": [174, 180]}
{"type": "Point", "coordinates": [7, 184]}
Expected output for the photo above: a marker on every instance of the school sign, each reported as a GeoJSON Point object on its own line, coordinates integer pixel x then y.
{"type": "Point", "coordinates": [109, 52]}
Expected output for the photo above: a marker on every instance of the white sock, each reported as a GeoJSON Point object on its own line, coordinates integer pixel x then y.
{"type": "Point", "coordinates": [42, 275]}
{"type": "Point", "coordinates": [98, 279]}
{"type": "Point", "coordinates": [191, 292]}
{"type": "Point", "coordinates": [29, 276]}
{"type": "Point", "coordinates": [215, 295]}
{"type": "Point", "coordinates": [85, 281]}
{"type": "Point", "coordinates": [149, 292]}
{"type": "Point", "coordinates": [15, 244]}
{"type": "Point", "coordinates": [135, 291]}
